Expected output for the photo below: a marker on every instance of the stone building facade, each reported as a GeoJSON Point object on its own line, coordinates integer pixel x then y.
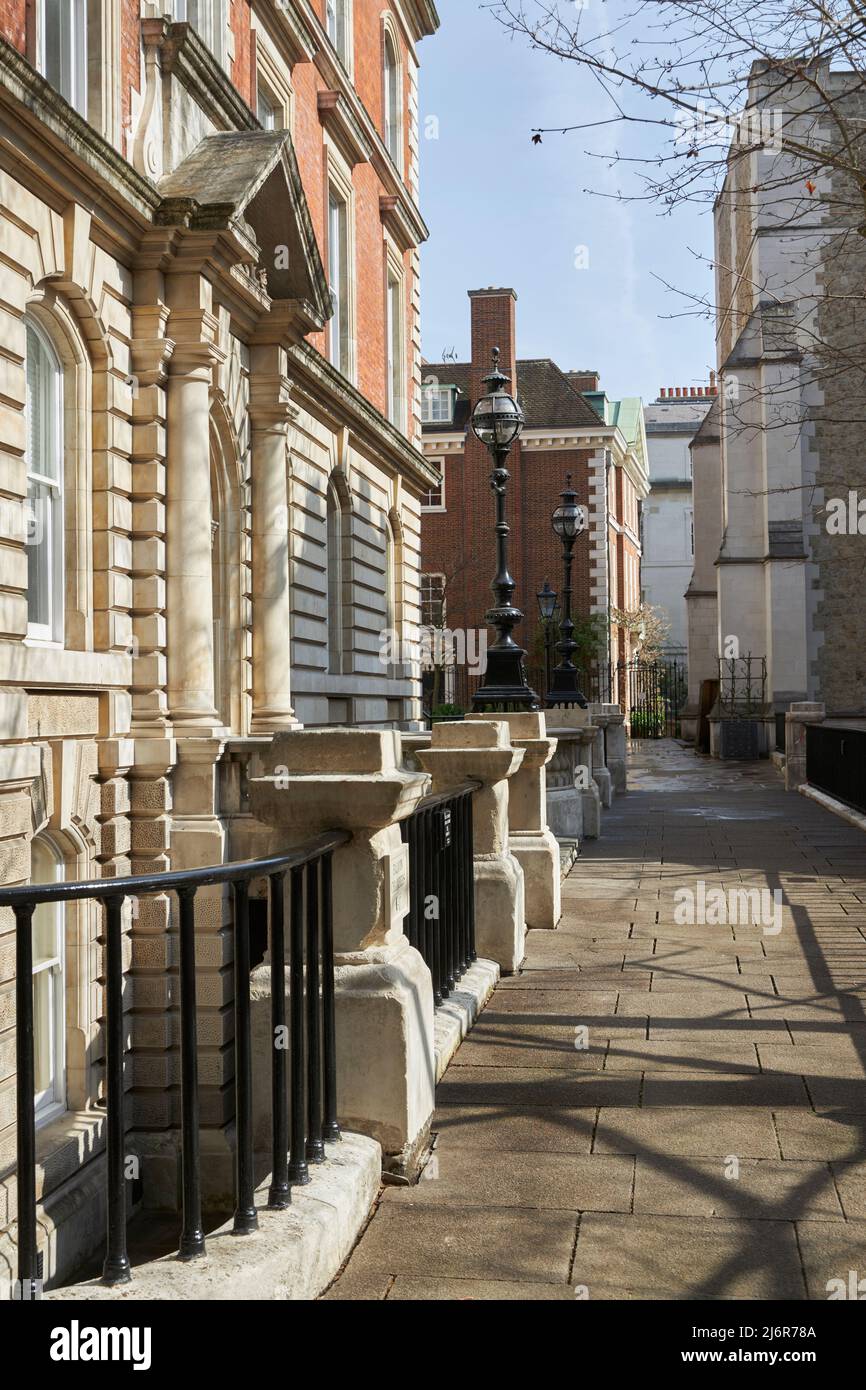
{"type": "Point", "coordinates": [571, 428]}
{"type": "Point", "coordinates": [668, 532]}
{"type": "Point", "coordinates": [211, 478]}
{"type": "Point", "coordinates": [789, 456]}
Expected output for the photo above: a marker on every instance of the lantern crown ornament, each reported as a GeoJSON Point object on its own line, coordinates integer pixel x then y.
{"type": "Point", "coordinates": [497, 418]}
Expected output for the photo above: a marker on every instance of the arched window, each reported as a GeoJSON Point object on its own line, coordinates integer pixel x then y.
{"type": "Point", "coordinates": [49, 985]}
{"type": "Point", "coordinates": [44, 458]}
{"type": "Point", "coordinates": [62, 48]}
{"type": "Point", "coordinates": [392, 100]}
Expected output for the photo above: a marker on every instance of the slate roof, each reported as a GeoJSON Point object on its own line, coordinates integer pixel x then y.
{"type": "Point", "coordinates": [548, 398]}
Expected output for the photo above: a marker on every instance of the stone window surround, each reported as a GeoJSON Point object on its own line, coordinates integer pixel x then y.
{"type": "Point", "coordinates": [390, 36]}
{"type": "Point", "coordinates": [395, 270]}
{"type": "Point", "coordinates": [56, 322]}
{"type": "Point", "coordinates": [338, 179]}
{"type": "Point", "coordinates": [272, 75]}
{"type": "Point", "coordinates": [102, 62]}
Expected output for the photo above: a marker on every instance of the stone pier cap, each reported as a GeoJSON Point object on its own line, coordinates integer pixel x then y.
{"type": "Point", "coordinates": [528, 730]}
{"type": "Point", "coordinates": [473, 748]}
{"type": "Point", "coordinates": [335, 779]}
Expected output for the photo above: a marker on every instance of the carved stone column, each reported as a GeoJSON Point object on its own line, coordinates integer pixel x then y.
{"type": "Point", "coordinates": [270, 414]}
{"type": "Point", "coordinates": [189, 577]}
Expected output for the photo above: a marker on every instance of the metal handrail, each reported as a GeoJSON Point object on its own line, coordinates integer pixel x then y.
{"type": "Point", "coordinates": [434, 799]}
{"type": "Point", "coordinates": [311, 1088]}
{"type": "Point", "coordinates": [176, 879]}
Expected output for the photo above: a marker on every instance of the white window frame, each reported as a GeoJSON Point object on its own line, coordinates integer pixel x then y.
{"type": "Point", "coordinates": [392, 99]}
{"type": "Point", "coordinates": [427, 579]}
{"type": "Point", "coordinates": [395, 342]}
{"type": "Point", "coordinates": [52, 1101]}
{"type": "Point", "coordinates": [266, 110]}
{"type": "Point", "coordinates": [69, 77]}
{"type": "Point", "coordinates": [431, 396]}
{"type": "Point", "coordinates": [338, 24]}
{"type": "Point", "coordinates": [341, 270]}
{"type": "Point", "coordinates": [210, 19]}
{"type": "Point", "coordinates": [439, 506]}
{"type": "Point", "coordinates": [51, 516]}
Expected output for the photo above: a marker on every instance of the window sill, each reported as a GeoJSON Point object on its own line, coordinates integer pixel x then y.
{"type": "Point", "coordinates": [49, 666]}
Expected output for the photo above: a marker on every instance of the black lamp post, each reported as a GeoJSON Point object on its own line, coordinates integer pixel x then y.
{"type": "Point", "coordinates": [548, 607]}
{"type": "Point", "coordinates": [569, 520]}
{"type": "Point", "coordinates": [497, 421]}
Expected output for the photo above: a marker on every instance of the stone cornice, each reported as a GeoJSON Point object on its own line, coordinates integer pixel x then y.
{"type": "Point", "coordinates": [289, 30]}
{"type": "Point", "coordinates": [334, 394]}
{"type": "Point", "coordinates": [341, 123]}
{"type": "Point", "coordinates": [338, 80]}
{"type": "Point", "coordinates": [84, 162]}
{"type": "Point", "coordinates": [408, 231]}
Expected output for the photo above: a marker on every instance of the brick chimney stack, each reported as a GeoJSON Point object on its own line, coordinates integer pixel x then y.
{"type": "Point", "coordinates": [493, 325]}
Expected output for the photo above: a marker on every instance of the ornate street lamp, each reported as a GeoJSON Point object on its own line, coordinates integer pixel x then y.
{"type": "Point", "coordinates": [497, 421]}
{"type": "Point", "coordinates": [569, 520]}
{"type": "Point", "coordinates": [548, 607]}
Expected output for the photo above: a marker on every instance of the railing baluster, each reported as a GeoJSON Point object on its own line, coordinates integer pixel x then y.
{"type": "Point", "coordinates": [28, 1266]}
{"type": "Point", "coordinates": [245, 1220]}
{"type": "Point", "coordinates": [425, 923]}
{"type": "Point", "coordinates": [330, 1127]}
{"type": "Point", "coordinates": [298, 1170]}
{"type": "Point", "coordinates": [451, 971]}
{"type": "Point", "coordinates": [469, 851]}
{"type": "Point", "coordinates": [192, 1243]}
{"type": "Point", "coordinates": [459, 814]}
{"type": "Point", "coordinates": [115, 1269]}
{"type": "Point", "coordinates": [435, 890]}
{"type": "Point", "coordinates": [315, 1144]}
{"type": "Point", "coordinates": [279, 1193]}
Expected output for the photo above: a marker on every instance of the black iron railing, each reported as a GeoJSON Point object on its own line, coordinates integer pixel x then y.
{"type": "Point", "coordinates": [780, 731]}
{"type": "Point", "coordinates": [309, 1091]}
{"type": "Point", "coordinates": [441, 921]}
{"type": "Point", "coordinates": [836, 763]}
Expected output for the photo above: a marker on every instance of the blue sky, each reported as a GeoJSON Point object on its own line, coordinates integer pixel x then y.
{"type": "Point", "coordinates": [503, 211]}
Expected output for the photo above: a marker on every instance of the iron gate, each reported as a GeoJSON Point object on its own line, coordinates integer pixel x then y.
{"type": "Point", "coordinates": [655, 696]}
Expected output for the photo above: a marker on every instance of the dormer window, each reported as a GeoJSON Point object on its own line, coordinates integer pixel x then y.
{"type": "Point", "coordinates": [437, 405]}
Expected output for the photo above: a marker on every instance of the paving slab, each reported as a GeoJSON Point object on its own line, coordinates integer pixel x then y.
{"type": "Point", "coordinates": [673, 1257]}
{"type": "Point", "coordinates": [532, 1128]}
{"type": "Point", "coordinates": [699, 1133]}
{"type": "Point", "coordinates": [736, 1186]}
{"type": "Point", "coordinates": [406, 1289]}
{"type": "Point", "coordinates": [711, 1143]}
{"type": "Point", "coordinates": [467, 1243]}
{"type": "Point", "coordinates": [834, 1259]}
{"type": "Point", "coordinates": [552, 1181]}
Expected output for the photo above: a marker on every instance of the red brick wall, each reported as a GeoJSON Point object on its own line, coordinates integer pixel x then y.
{"type": "Point", "coordinates": [13, 23]}
{"type": "Point", "coordinates": [460, 542]}
{"type": "Point", "coordinates": [369, 237]}
{"type": "Point", "coordinates": [130, 62]}
{"type": "Point", "coordinates": [242, 65]}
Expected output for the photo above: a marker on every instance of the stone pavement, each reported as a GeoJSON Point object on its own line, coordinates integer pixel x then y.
{"type": "Point", "coordinates": [710, 1142]}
